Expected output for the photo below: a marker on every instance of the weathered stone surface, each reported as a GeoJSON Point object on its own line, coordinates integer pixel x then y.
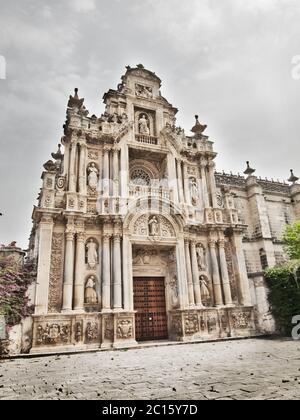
{"type": "Point", "coordinates": [239, 370]}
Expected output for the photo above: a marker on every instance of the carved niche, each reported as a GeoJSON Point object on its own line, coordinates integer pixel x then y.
{"type": "Point", "coordinates": [53, 334]}
{"type": "Point", "coordinates": [56, 273]}
{"type": "Point", "coordinates": [155, 226]}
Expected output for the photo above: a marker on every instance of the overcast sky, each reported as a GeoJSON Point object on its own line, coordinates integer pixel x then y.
{"type": "Point", "coordinates": [230, 61]}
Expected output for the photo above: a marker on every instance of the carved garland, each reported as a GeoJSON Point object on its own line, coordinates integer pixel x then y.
{"type": "Point", "coordinates": [56, 273]}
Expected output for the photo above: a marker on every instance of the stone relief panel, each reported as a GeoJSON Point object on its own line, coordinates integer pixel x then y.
{"type": "Point", "coordinates": [125, 329]}
{"type": "Point", "coordinates": [155, 226]}
{"type": "Point", "coordinates": [231, 272]}
{"type": "Point", "coordinates": [53, 334]}
{"type": "Point", "coordinates": [191, 324]}
{"type": "Point", "coordinates": [92, 332]}
{"type": "Point", "coordinates": [56, 273]}
{"type": "Point", "coordinates": [241, 320]}
{"type": "Point", "coordinates": [142, 91]}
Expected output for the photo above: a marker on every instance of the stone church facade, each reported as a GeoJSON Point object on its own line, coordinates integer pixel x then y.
{"type": "Point", "coordinates": [137, 238]}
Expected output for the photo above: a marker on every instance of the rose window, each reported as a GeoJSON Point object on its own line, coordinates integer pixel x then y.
{"type": "Point", "coordinates": [140, 177]}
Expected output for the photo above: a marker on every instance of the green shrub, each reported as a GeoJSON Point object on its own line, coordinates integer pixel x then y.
{"type": "Point", "coordinates": [284, 297]}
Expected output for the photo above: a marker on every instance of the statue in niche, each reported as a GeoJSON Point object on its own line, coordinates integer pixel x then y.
{"type": "Point", "coordinates": [201, 258]}
{"type": "Point", "coordinates": [93, 176]}
{"type": "Point", "coordinates": [92, 253]}
{"type": "Point", "coordinates": [144, 126]}
{"type": "Point", "coordinates": [194, 191]}
{"type": "Point", "coordinates": [154, 226]}
{"type": "Point", "coordinates": [90, 291]}
{"type": "Point", "coordinates": [205, 293]}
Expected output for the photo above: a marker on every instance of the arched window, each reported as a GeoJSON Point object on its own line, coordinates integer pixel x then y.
{"type": "Point", "coordinates": [140, 177]}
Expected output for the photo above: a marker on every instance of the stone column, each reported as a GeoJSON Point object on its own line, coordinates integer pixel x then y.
{"type": "Point", "coordinates": [196, 280]}
{"type": "Point", "coordinates": [106, 180]}
{"type": "Point", "coordinates": [179, 180]}
{"type": "Point", "coordinates": [79, 272]}
{"type": "Point", "coordinates": [44, 263]}
{"type": "Point", "coordinates": [117, 273]}
{"type": "Point", "coordinates": [187, 192]}
{"type": "Point", "coordinates": [66, 161]}
{"type": "Point", "coordinates": [106, 274]}
{"type": "Point", "coordinates": [126, 281]}
{"type": "Point", "coordinates": [82, 169]}
{"type": "Point", "coordinates": [124, 170]}
{"type": "Point", "coordinates": [173, 185]}
{"type": "Point", "coordinates": [213, 187]}
{"type": "Point", "coordinates": [182, 275]}
{"type": "Point", "coordinates": [189, 273]}
{"type": "Point", "coordinates": [203, 164]}
{"type": "Point", "coordinates": [216, 274]}
{"type": "Point", "coordinates": [116, 172]}
{"type": "Point", "coordinates": [69, 271]}
{"type": "Point", "coordinates": [225, 275]}
{"type": "Point", "coordinates": [72, 169]}
{"type": "Point", "coordinates": [241, 269]}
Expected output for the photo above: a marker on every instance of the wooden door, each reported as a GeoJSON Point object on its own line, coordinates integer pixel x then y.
{"type": "Point", "coordinates": [150, 304]}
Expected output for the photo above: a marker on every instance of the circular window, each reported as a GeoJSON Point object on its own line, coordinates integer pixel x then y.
{"type": "Point", "coordinates": [140, 177]}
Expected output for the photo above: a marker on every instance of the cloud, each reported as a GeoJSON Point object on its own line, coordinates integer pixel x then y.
{"type": "Point", "coordinates": [83, 5]}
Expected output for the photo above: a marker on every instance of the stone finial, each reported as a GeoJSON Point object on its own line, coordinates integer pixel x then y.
{"type": "Point", "coordinates": [198, 128]}
{"type": "Point", "coordinates": [75, 101]}
{"type": "Point", "coordinates": [293, 178]}
{"type": "Point", "coordinates": [249, 171]}
{"type": "Point", "coordinates": [58, 155]}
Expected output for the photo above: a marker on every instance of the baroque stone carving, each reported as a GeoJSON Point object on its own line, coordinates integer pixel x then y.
{"type": "Point", "coordinates": [143, 91]}
{"type": "Point", "coordinates": [177, 325]}
{"type": "Point", "coordinates": [205, 292]}
{"type": "Point", "coordinates": [191, 323]}
{"type": "Point", "coordinates": [109, 328]}
{"type": "Point", "coordinates": [174, 298]}
{"type": "Point", "coordinates": [125, 329]}
{"type": "Point", "coordinates": [78, 332]}
{"type": "Point", "coordinates": [93, 155]}
{"type": "Point", "coordinates": [90, 295]}
{"type": "Point", "coordinates": [92, 253]}
{"type": "Point", "coordinates": [93, 175]}
{"type": "Point", "coordinates": [241, 320]}
{"type": "Point", "coordinates": [92, 332]}
{"type": "Point", "coordinates": [53, 334]}
{"type": "Point", "coordinates": [155, 226]}
{"type": "Point", "coordinates": [194, 191]}
{"type": "Point", "coordinates": [201, 257]}
{"type": "Point", "coordinates": [144, 125]}
{"type": "Point", "coordinates": [56, 273]}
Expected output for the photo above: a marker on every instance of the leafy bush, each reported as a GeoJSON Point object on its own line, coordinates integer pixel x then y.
{"type": "Point", "coordinates": [291, 239]}
{"type": "Point", "coordinates": [14, 283]}
{"type": "Point", "coordinates": [284, 297]}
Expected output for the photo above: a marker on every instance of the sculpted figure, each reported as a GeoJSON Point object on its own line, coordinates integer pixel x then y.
{"type": "Point", "coordinates": [194, 191]}
{"type": "Point", "coordinates": [205, 293]}
{"type": "Point", "coordinates": [154, 226]}
{"type": "Point", "coordinates": [143, 125]}
{"type": "Point", "coordinates": [90, 291]}
{"type": "Point", "coordinates": [93, 176]}
{"type": "Point", "coordinates": [92, 253]}
{"type": "Point", "coordinates": [201, 258]}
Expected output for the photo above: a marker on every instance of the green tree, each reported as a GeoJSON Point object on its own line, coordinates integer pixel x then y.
{"type": "Point", "coordinates": [291, 239]}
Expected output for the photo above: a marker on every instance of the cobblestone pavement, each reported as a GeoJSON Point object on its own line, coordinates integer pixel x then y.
{"type": "Point", "coordinates": [247, 369]}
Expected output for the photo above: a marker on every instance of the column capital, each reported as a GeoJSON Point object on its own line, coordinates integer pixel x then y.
{"type": "Point", "coordinates": [212, 243]}
{"type": "Point", "coordinates": [222, 243]}
{"type": "Point", "coordinates": [47, 219]}
{"type": "Point", "coordinates": [187, 241]}
{"type": "Point", "coordinates": [81, 236]}
{"type": "Point", "coordinates": [107, 149]}
{"type": "Point", "coordinates": [116, 149]}
{"type": "Point", "coordinates": [203, 162]}
{"type": "Point", "coordinates": [117, 237]}
{"type": "Point", "coordinates": [211, 164]}
{"type": "Point", "coordinates": [70, 235]}
{"type": "Point", "coordinates": [107, 237]}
